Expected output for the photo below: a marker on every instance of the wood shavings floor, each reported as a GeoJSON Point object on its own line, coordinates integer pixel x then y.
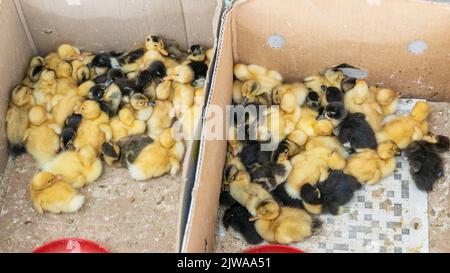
{"type": "Point", "coordinates": [119, 213]}
{"type": "Point", "coordinates": [438, 201]}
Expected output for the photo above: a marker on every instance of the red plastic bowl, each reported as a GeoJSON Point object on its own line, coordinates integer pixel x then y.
{"type": "Point", "coordinates": [71, 245]}
{"type": "Point", "coordinates": [274, 249]}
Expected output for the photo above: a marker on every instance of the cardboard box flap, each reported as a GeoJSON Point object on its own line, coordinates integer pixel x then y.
{"type": "Point", "coordinates": [117, 24]}
{"type": "Point", "coordinates": [203, 211]}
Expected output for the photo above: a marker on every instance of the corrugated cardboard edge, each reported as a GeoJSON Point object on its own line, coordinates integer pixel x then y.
{"type": "Point", "coordinates": [191, 162]}
{"type": "Point", "coordinates": [189, 236]}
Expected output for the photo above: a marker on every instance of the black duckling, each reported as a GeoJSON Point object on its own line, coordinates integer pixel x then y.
{"type": "Point", "coordinates": [69, 132]}
{"type": "Point", "coordinates": [237, 217]}
{"type": "Point", "coordinates": [426, 165]}
{"type": "Point", "coordinates": [329, 196]}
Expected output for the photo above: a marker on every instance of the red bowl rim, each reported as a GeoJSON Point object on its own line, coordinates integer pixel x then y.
{"type": "Point", "coordinates": [42, 248]}
{"type": "Point", "coordinates": [270, 248]}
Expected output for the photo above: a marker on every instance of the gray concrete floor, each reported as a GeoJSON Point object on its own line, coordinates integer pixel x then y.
{"type": "Point", "coordinates": [439, 202]}
{"type": "Point", "coordinates": [119, 213]}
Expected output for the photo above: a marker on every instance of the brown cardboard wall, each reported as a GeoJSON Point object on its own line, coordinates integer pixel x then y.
{"type": "Point", "coordinates": [117, 24]}
{"type": "Point", "coordinates": [15, 52]}
{"type": "Point", "coordinates": [203, 214]}
{"type": "Point", "coordinates": [373, 35]}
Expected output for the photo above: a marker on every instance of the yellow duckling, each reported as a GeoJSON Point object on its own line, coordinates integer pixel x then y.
{"type": "Point", "coordinates": [308, 126]}
{"type": "Point", "coordinates": [63, 106]}
{"type": "Point", "coordinates": [181, 74]}
{"type": "Point", "coordinates": [42, 138]}
{"type": "Point", "coordinates": [52, 60]}
{"type": "Point", "coordinates": [361, 100]}
{"type": "Point", "coordinates": [387, 99]}
{"type": "Point", "coordinates": [258, 201]}
{"type": "Point", "coordinates": [252, 93]}
{"type": "Point", "coordinates": [161, 118]}
{"type": "Point", "coordinates": [37, 65]}
{"type": "Point", "coordinates": [290, 109]}
{"type": "Point", "coordinates": [45, 89]}
{"type": "Point", "coordinates": [276, 127]}
{"type": "Point", "coordinates": [407, 129]}
{"type": "Point", "coordinates": [268, 79]}
{"type": "Point", "coordinates": [17, 121]}
{"type": "Point", "coordinates": [183, 98]}
{"type": "Point", "coordinates": [292, 226]}
{"type": "Point", "coordinates": [158, 158]}
{"type": "Point", "coordinates": [189, 120]}
{"type": "Point", "coordinates": [311, 167]}
{"type": "Point", "coordinates": [68, 52]}
{"type": "Point", "coordinates": [84, 88]}
{"type": "Point", "coordinates": [164, 91]}
{"type": "Point", "coordinates": [329, 142]}
{"type": "Point", "coordinates": [371, 166]}
{"type": "Point", "coordinates": [50, 193]}
{"type": "Point", "coordinates": [141, 106]}
{"type": "Point", "coordinates": [80, 70]}
{"type": "Point", "coordinates": [65, 83]}
{"type": "Point", "coordinates": [94, 129]}
{"type": "Point", "coordinates": [299, 90]}
{"type": "Point", "coordinates": [78, 168]}
{"type": "Point", "coordinates": [125, 124]}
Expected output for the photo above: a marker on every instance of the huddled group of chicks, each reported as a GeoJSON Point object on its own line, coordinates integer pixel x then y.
{"type": "Point", "coordinates": [74, 108]}
{"type": "Point", "coordinates": [332, 134]}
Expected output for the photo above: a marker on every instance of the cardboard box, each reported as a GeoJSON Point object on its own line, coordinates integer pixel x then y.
{"type": "Point", "coordinates": [403, 44]}
{"type": "Point", "coordinates": [31, 27]}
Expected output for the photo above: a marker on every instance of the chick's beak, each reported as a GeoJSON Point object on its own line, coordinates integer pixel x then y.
{"type": "Point", "coordinates": [253, 219]}
{"type": "Point", "coordinates": [164, 52]}
{"type": "Point", "coordinates": [169, 78]}
{"type": "Point", "coordinates": [58, 178]}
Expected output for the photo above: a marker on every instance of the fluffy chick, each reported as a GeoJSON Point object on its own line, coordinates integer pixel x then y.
{"type": "Point", "coordinates": [45, 89]}
{"type": "Point", "coordinates": [79, 168]}
{"type": "Point", "coordinates": [275, 127]}
{"type": "Point", "coordinates": [405, 130]}
{"type": "Point", "coordinates": [292, 226]}
{"type": "Point", "coordinates": [125, 124]}
{"type": "Point", "coordinates": [357, 133]}
{"type": "Point", "coordinates": [158, 158]}
{"type": "Point", "coordinates": [94, 129]}
{"type": "Point", "coordinates": [69, 131]}
{"type": "Point", "coordinates": [309, 126]}
{"type": "Point", "coordinates": [370, 166]}
{"type": "Point", "coordinates": [387, 99]}
{"type": "Point", "coordinates": [312, 167]}
{"type": "Point", "coordinates": [299, 90]}
{"type": "Point", "coordinates": [329, 196]}
{"type": "Point", "coordinates": [426, 163]}
{"type": "Point", "coordinates": [42, 138]}
{"type": "Point", "coordinates": [161, 118]}
{"type": "Point", "coordinates": [68, 52]}
{"type": "Point", "coordinates": [50, 193]}
{"type": "Point", "coordinates": [37, 65]}
{"type": "Point", "coordinates": [251, 94]}
{"type": "Point", "coordinates": [17, 121]}
{"type": "Point", "coordinates": [63, 106]}
{"type": "Point", "coordinates": [361, 100]}
{"type": "Point", "coordinates": [142, 107]}
{"type": "Point", "coordinates": [268, 79]}
{"type": "Point", "coordinates": [254, 197]}
{"type": "Point", "coordinates": [183, 98]}
{"type": "Point", "coordinates": [237, 217]}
